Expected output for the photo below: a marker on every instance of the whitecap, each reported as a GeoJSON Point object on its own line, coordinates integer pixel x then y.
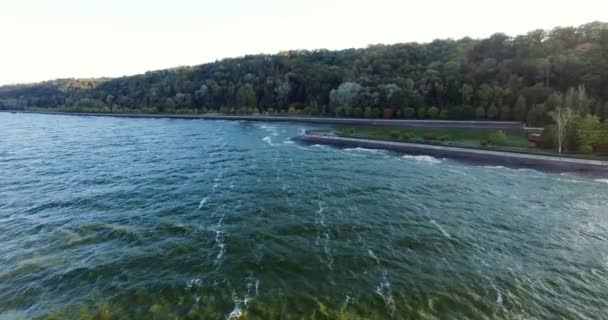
{"type": "Point", "coordinates": [601, 180]}
{"type": "Point", "coordinates": [428, 159]}
{"type": "Point", "coordinates": [268, 140]}
{"type": "Point", "coordinates": [202, 203]}
{"type": "Point", "coordinates": [493, 167]}
{"type": "Point", "coordinates": [288, 142]}
{"type": "Point", "coordinates": [359, 149]}
{"type": "Point", "coordinates": [447, 235]}
{"type": "Point", "coordinates": [236, 312]}
{"type": "Point", "coordinates": [384, 290]}
{"type": "Point", "coordinates": [373, 255]}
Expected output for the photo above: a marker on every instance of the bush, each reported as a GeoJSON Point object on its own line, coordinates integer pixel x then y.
{"type": "Point", "coordinates": [443, 137]}
{"type": "Point", "coordinates": [406, 136]}
{"type": "Point", "coordinates": [497, 138]}
{"type": "Point", "coordinates": [430, 136]}
{"type": "Point", "coordinates": [585, 149]}
{"type": "Point", "coordinates": [483, 143]}
{"type": "Point", "coordinates": [549, 137]}
{"type": "Point", "coordinates": [394, 133]}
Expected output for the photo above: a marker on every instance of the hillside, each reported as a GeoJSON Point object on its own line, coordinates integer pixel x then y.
{"type": "Point", "coordinates": [501, 77]}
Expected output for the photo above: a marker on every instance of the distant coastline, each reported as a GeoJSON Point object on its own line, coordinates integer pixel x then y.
{"type": "Point", "coordinates": [311, 119]}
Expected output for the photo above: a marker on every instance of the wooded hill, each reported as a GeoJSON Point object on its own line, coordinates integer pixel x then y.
{"type": "Point", "coordinates": [501, 77]}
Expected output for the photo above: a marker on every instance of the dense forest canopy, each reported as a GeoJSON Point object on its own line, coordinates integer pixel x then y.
{"type": "Point", "coordinates": [510, 78]}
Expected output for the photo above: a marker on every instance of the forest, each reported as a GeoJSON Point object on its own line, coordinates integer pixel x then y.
{"type": "Point", "coordinates": [523, 78]}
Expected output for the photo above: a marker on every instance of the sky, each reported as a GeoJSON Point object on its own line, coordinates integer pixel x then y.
{"type": "Point", "coordinates": [49, 39]}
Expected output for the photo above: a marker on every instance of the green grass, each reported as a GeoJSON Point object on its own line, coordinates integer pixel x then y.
{"type": "Point", "coordinates": [458, 137]}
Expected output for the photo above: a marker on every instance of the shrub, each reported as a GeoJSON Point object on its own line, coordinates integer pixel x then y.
{"type": "Point", "coordinates": [585, 149]}
{"type": "Point", "coordinates": [394, 133]}
{"type": "Point", "coordinates": [443, 137]}
{"type": "Point", "coordinates": [406, 135]}
{"type": "Point", "coordinates": [430, 136]}
{"type": "Point", "coordinates": [497, 138]}
{"type": "Point", "coordinates": [549, 137]}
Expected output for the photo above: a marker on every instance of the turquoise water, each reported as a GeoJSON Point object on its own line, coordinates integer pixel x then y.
{"type": "Point", "coordinates": [177, 219]}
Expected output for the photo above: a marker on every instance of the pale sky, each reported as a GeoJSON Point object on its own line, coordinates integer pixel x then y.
{"type": "Point", "coordinates": [48, 39]}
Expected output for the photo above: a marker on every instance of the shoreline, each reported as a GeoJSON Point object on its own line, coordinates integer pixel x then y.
{"type": "Point", "coordinates": [465, 124]}
{"type": "Point", "coordinates": [508, 159]}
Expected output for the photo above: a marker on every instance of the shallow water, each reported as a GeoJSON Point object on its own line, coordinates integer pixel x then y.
{"type": "Point", "coordinates": [211, 219]}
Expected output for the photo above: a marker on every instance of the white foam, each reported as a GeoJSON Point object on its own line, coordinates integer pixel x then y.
{"type": "Point", "coordinates": [493, 167]}
{"type": "Point", "coordinates": [288, 142]}
{"type": "Point", "coordinates": [236, 313]}
{"type": "Point", "coordinates": [373, 255]}
{"type": "Point", "coordinates": [359, 149]}
{"type": "Point", "coordinates": [428, 159]}
{"type": "Point", "coordinates": [601, 180]}
{"type": "Point", "coordinates": [384, 290]}
{"type": "Point", "coordinates": [202, 203]}
{"type": "Point", "coordinates": [447, 235]}
{"type": "Point", "coordinates": [268, 140]}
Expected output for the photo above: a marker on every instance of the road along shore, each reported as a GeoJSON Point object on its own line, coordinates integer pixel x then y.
{"type": "Point", "coordinates": [320, 120]}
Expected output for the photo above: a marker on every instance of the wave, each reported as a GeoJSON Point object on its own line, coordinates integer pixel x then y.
{"type": "Point", "coordinates": [384, 290]}
{"type": "Point", "coordinates": [601, 180]}
{"type": "Point", "coordinates": [493, 167]}
{"type": "Point", "coordinates": [202, 203]}
{"type": "Point", "coordinates": [447, 235]}
{"type": "Point", "coordinates": [268, 140]}
{"type": "Point", "coordinates": [359, 149]}
{"type": "Point", "coordinates": [373, 255]}
{"type": "Point", "coordinates": [428, 159]}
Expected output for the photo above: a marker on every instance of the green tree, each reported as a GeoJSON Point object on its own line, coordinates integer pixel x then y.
{"type": "Point", "coordinates": [492, 112]}
{"type": "Point", "coordinates": [433, 112]}
{"type": "Point", "coordinates": [409, 112]}
{"type": "Point", "coordinates": [520, 111]}
{"type": "Point", "coordinates": [246, 97]}
{"type": "Point", "coordinates": [421, 112]}
{"type": "Point", "coordinates": [505, 113]}
{"type": "Point", "coordinates": [466, 94]}
{"type": "Point", "coordinates": [480, 113]}
{"type": "Point", "coordinates": [588, 133]}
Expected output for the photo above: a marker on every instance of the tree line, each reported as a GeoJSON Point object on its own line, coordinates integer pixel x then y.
{"type": "Point", "coordinates": [498, 78]}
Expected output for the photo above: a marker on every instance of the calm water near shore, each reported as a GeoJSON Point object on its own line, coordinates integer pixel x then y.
{"type": "Point", "coordinates": [143, 218]}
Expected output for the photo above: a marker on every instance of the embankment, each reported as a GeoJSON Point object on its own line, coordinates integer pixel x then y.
{"type": "Point", "coordinates": [509, 159]}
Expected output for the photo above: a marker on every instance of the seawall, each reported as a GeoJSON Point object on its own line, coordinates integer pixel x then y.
{"type": "Point", "coordinates": [508, 159]}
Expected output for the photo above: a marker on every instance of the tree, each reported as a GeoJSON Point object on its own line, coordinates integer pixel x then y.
{"type": "Point", "coordinates": [421, 112]}
{"type": "Point", "coordinates": [520, 110]}
{"type": "Point", "coordinates": [433, 112]}
{"type": "Point", "coordinates": [492, 112]}
{"type": "Point", "coordinates": [561, 116]}
{"type": "Point", "coordinates": [246, 97]}
{"type": "Point", "coordinates": [345, 94]}
{"type": "Point", "coordinates": [466, 94]}
{"type": "Point", "coordinates": [480, 113]}
{"type": "Point", "coordinates": [409, 112]}
{"type": "Point", "coordinates": [505, 113]}
{"type": "Point", "coordinates": [588, 133]}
